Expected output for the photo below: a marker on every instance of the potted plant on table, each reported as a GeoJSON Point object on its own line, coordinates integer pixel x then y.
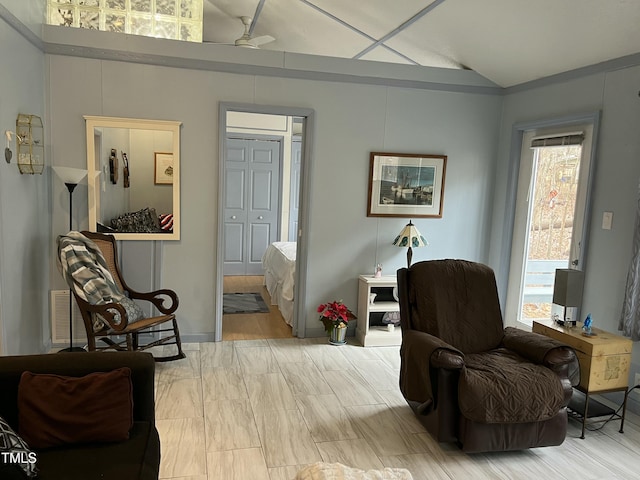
{"type": "Point", "coordinates": [335, 316]}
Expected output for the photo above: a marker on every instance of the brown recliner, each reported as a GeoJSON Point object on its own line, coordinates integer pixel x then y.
{"type": "Point", "coordinates": [467, 378]}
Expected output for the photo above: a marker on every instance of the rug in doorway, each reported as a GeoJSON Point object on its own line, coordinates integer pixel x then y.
{"type": "Point", "coordinates": [243, 303]}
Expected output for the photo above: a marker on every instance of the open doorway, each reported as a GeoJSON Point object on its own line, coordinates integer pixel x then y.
{"type": "Point", "coordinates": [263, 196]}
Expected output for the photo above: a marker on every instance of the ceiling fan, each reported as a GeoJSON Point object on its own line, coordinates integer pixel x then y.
{"type": "Point", "coordinates": [246, 41]}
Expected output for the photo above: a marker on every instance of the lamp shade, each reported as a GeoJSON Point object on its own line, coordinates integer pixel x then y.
{"type": "Point", "coordinates": [410, 237]}
{"type": "Point", "coordinates": [70, 175]}
{"type": "Point", "coordinates": [567, 287]}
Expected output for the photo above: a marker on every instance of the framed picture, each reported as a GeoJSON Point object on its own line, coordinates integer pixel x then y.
{"type": "Point", "coordinates": [406, 185]}
{"type": "Point", "coordinates": [163, 173]}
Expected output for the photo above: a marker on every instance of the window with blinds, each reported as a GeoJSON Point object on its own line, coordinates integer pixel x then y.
{"type": "Point", "coordinates": [564, 140]}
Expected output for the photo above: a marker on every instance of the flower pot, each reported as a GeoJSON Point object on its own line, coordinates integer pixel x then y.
{"type": "Point", "coordinates": [338, 336]}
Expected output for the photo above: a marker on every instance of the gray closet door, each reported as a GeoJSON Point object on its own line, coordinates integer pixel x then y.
{"type": "Point", "coordinates": [252, 204]}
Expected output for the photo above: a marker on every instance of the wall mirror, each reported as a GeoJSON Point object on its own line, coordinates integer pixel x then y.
{"type": "Point", "coordinates": [134, 177]}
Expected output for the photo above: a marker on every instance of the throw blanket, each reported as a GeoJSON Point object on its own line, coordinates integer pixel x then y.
{"type": "Point", "coordinates": [337, 471]}
{"type": "Point", "coordinates": [85, 270]}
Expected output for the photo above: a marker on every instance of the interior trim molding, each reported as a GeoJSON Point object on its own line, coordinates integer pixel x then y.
{"type": "Point", "coordinates": [15, 23]}
{"type": "Point", "coordinates": [261, 70]}
{"type": "Point", "coordinates": [196, 338]}
{"type": "Point", "coordinates": [602, 67]}
{"type": "Point", "coordinates": [307, 74]}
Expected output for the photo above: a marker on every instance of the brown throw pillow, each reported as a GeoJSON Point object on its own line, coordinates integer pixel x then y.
{"type": "Point", "coordinates": [56, 410]}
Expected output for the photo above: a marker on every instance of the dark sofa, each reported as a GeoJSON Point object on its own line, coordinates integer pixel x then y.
{"type": "Point", "coordinates": [136, 458]}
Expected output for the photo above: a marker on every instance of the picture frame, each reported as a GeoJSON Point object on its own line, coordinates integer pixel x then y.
{"type": "Point", "coordinates": [406, 185]}
{"type": "Point", "coordinates": [163, 171]}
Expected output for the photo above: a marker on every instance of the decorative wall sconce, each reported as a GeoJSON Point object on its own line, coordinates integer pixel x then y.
{"type": "Point", "coordinates": [30, 144]}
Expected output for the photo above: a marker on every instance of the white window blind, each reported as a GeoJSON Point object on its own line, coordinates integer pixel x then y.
{"type": "Point", "coordinates": [561, 140]}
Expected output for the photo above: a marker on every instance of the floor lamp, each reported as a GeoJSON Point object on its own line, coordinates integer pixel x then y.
{"type": "Point", "coordinates": [71, 178]}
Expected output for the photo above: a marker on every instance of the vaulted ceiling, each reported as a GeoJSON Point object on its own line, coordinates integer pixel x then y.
{"type": "Point", "coordinates": [507, 41]}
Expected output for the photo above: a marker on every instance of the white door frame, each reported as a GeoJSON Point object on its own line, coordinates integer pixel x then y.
{"type": "Point", "coordinates": [517, 133]}
{"type": "Point", "coordinates": [299, 320]}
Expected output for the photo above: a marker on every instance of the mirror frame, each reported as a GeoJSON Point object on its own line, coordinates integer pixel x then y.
{"type": "Point", "coordinates": [93, 176]}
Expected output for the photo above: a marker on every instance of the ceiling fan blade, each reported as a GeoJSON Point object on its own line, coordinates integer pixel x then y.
{"type": "Point", "coordinates": [245, 43]}
{"type": "Point", "coordinates": [257, 41]}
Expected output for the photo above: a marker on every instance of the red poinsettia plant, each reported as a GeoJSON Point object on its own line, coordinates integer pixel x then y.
{"type": "Point", "coordinates": [334, 315]}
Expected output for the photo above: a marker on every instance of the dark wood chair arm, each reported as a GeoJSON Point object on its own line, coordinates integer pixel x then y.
{"type": "Point", "coordinates": [107, 312]}
{"type": "Point", "coordinates": [158, 298]}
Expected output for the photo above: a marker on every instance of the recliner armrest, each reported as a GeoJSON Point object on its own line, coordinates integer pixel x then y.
{"type": "Point", "coordinates": [447, 357]}
{"type": "Point", "coordinates": [561, 355]}
{"type": "Point", "coordinates": [536, 347]}
{"type": "Point", "coordinates": [540, 349]}
{"type": "Point", "coordinates": [423, 357]}
{"type": "Point", "coordinates": [439, 352]}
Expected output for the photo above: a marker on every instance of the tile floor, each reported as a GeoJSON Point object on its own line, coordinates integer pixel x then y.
{"type": "Point", "coordinates": [262, 409]}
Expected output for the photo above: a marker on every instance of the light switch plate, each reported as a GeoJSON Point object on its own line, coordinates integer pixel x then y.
{"type": "Point", "coordinates": [607, 220]}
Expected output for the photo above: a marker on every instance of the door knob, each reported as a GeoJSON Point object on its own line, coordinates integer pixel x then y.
{"type": "Point", "coordinates": [260, 217]}
{"type": "Point", "coordinates": [233, 217]}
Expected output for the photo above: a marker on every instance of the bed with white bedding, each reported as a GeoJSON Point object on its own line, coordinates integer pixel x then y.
{"type": "Point", "coordinates": [279, 264]}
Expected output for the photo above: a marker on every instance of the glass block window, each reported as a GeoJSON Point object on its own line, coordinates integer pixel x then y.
{"type": "Point", "coordinates": [174, 19]}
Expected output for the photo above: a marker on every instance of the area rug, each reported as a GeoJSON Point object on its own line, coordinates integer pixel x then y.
{"type": "Point", "coordinates": [243, 303]}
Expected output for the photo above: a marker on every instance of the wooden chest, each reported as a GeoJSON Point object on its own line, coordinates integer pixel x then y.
{"type": "Point", "coordinates": [604, 358]}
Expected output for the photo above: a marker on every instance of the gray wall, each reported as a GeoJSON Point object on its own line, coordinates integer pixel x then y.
{"type": "Point", "coordinates": [144, 192]}
{"type": "Point", "coordinates": [352, 120]}
{"type": "Point", "coordinates": [25, 231]}
{"type": "Point", "coordinates": [29, 13]}
{"type": "Point", "coordinates": [114, 198]}
{"type": "Point", "coordinates": [615, 94]}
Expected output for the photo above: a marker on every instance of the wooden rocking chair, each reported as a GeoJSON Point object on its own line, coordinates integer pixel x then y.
{"type": "Point", "coordinates": [109, 313]}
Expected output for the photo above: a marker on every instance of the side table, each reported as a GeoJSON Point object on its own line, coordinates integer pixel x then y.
{"type": "Point", "coordinates": [604, 367]}
{"type": "Point", "coordinates": [369, 331]}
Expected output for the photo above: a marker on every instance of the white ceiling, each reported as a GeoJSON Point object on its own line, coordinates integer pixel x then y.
{"type": "Point", "coordinates": [507, 41]}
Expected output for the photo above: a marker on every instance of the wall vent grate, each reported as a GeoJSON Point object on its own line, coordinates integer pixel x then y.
{"type": "Point", "coordinates": [60, 320]}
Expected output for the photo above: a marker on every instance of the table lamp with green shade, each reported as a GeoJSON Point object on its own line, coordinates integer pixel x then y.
{"type": "Point", "coordinates": [410, 237]}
